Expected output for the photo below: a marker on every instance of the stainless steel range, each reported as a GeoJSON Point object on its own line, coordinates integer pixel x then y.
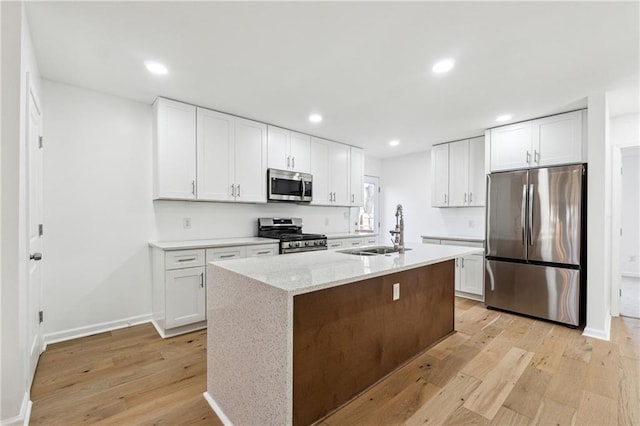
{"type": "Point", "coordinates": [289, 232]}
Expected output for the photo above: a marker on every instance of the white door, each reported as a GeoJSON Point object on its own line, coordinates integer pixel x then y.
{"type": "Point", "coordinates": [34, 209]}
{"type": "Point", "coordinates": [511, 147]}
{"type": "Point", "coordinates": [300, 152]}
{"type": "Point", "coordinates": [440, 175]}
{"type": "Point", "coordinates": [340, 176]}
{"type": "Point", "coordinates": [558, 139]}
{"type": "Point", "coordinates": [357, 176]}
{"type": "Point", "coordinates": [459, 173]}
{"type": "Point", "coordinates": [215, 136]}
{"type": "Point", "coordinates": [320, 171]}
{"type": "Point", "coordinates": [477, 177]}
{"type": "Point", "coordinates": [176, 150]}
{"type": "Point", "coordinates": [251, 161]}
{"type": "Point", "coordinates": [185, 296]}
{"type": "Point", "coordinates": [278, 148]}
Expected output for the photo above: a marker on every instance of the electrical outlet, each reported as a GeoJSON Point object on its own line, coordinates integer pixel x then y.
{"type": "Point", "coordinates": [472, 223]}
{"type": "Point", "coordinates": [346, 215]}
{"type": "Point", "coordinates": [186, 222]}
{"type": "Point", "coordinates": [396, 291]}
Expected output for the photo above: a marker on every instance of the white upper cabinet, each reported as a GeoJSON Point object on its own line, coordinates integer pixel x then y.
{"type": "Point", "coordinates": [330, 170]}
{"type": "Point", "coordinates": [288, 150]}
{"type": "Point", "coordinates": [216, 135]}
{"type": "Point", "coordinates": [559, 139]}
{"type": "Point", "coordinates": [440, 175]}
{"type": "Point", "coordinates": [174, 146]}
{"type": "Point", "coordinates": [459, 173]}
{"type": "Point", "coordinates": [357, 176]}
{"type": "Point", "coordinates": [477, 177]}
{"type": "Point", "coordinates": [555, 140]}
{"type": "Point", "coordinates": [511, 147]}
{"type": "Point", "coordinates": [232, 157]}
{"type": "Point", "coordinates": [250, 164]}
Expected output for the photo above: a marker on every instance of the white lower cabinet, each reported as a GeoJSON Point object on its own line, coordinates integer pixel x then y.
{"type": "Point", "coordinates": [469, 274]}
{"type": "Point", "coordinates": [334, 243]}
{"type": "Point", "coordinates": [180, 284]}
{"type": "Point", "coordinates": [185, 292]}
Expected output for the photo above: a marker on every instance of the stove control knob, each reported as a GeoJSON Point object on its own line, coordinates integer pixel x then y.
{"type": "Point", "coordinates": [297, 243]}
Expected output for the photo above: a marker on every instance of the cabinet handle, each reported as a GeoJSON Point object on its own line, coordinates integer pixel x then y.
{"type": "Point", "coordinates": [536, 156]}
{"type": "Point", "coordinates": [353, 198]}
{"type": "Point", "coordinates": [528, 157]}
{"type": "Point", "coordinates": [462, 261]}
{"type": "Point", "coordinates": [227, 256]}
{"type": "Point", "coordinates": [293, 162]}
{"type": "Point", "coordinates": [233, 190]}
{"type": "Point", "coordinates": [470, 197]}
{"type": "Point", "coordinates": [202, 279]}
{"type": "Point", "coordinates": [193, 187]}
{"type": "Point", "coordinates": [355, 243]}
{"type": "Point", "coordinates": [288, 162]}
{"type": "Point", "coordinates": [190, 259]}
{"type": "Point", "coordinates": [238, 190]}
{"type": "Point", "coordinates": [445, 198]}
{"type": "Point", "coordinates": [263, 252]}
{"type": "Point", "coordinates": [465, 198]}
{"type": "Point", "coordinates": [457, 262]}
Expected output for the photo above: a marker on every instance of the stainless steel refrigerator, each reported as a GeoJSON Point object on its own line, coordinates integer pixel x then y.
{"type": "Point", "coordinates": [535, 242]}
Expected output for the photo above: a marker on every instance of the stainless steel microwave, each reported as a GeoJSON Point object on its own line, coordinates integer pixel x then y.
{"type": "Point", "coordinates": [284, 185]}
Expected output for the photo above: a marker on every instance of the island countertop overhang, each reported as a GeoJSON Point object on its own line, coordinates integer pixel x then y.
{"type": "Point", "coordinates": [301, 273]}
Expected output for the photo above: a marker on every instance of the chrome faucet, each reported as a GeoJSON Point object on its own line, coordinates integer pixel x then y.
{"type": "Point", "coordinates": [398, 232]}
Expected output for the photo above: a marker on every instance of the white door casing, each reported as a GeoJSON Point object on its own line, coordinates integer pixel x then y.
{"type": "Point", "coordinates": [34, 230]}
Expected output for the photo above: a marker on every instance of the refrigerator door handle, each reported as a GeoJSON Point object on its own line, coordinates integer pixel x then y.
{"type": "Point", "coordinates": [530, 219]}
{"type": "Point", "coordinates": [523, 213]}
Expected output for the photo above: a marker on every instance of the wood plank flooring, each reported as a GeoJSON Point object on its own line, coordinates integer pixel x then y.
{"type": "Point", "coordinates": [499, 369]}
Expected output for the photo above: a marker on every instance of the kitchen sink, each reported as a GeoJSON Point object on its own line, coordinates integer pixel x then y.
{"type": "Point", "coordinates": [372, 251]}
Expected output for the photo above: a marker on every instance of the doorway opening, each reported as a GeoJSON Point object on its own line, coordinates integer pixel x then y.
{"type": "Point", "coordinates": [369, 216]}
{"type": "Point", "coordinates": [630, 232]}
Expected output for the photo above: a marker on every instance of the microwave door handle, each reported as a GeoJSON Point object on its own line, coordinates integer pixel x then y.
{"type": "Point", "coordinates": [303, 189]}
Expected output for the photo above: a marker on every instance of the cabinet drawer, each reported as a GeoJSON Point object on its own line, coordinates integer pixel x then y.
{"type": "Point", "coordinates": [225, 253]}
{"type": "Point", "coordinates": [353, 242]}
{"type": "Point", "coordinates": [183, 259]}
{"type": "Point", "coordinates": [370, 240]}
{"type": "Point", "coordinates": [333, 244]}
{"type": "Point", "coordinates": [262, 250]}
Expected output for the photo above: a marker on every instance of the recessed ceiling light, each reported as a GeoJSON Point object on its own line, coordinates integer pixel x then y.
{"type": "Point", "coordinates": [504, 117]}
{"type": "Point", "coordinates": [315, 118]}
{"type": "Point", "coordinates": [443, 66]}
{"type": "Point", "coordinates": [394, 142]}
{"type": "Point", "coordinates": [155, 67]}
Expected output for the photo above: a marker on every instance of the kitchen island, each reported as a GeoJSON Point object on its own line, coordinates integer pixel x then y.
{"type": "Point", "coordinates": [293, 337]}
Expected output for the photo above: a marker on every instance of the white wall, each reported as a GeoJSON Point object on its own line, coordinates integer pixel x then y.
{"type": "Point", "coordinates": [406, 180]}
{"type": "Point", "coordinates": [372, 166]}
{"type": "Point", "coordinates": [98, 213]}
{"type": "Point", "coordinates": [18, 61]}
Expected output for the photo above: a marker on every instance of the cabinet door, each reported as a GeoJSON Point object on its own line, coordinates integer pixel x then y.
{"type": "Point", "coordinates": [440, 175]}
{"type": "Point", "coordinates": [216, 133]}
{"type": "Point", "coordinates": [471, 274]}
{"type": "Point", "coordinates": [175, 150]}
{"type": "Point", "coordinates": [511, 147]}
{"type": "Point", "coordinates": [558, 139]}
{"type": "Point", "coordinates": [477, 178]}
{"type": "Point", "coordinates": [300, 152]}
{"type": "Point", "coordinates": [185, 296]}
{"type": "Point", "coordinates": [278, 148]}
{"type": "Point", "coordinates": [261, 250]}
{"type": "Point", "coordinates": [340, 176]}
{"type": "Point", "coordinates": [320, 171]}
{"type": "Point", "coordinates": [458, 273]}
{"type": "Point", "coordinates": [459, 173]}
{"type": "Point", "coordinates": [357, 176]}
{"type": "Point", "coordinates": [334, 244]}
{"type": "Point", "coordinates": [250, 161]}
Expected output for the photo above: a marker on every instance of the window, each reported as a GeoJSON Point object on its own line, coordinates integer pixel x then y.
{"type": "Point", "coordinates": [369, 220]}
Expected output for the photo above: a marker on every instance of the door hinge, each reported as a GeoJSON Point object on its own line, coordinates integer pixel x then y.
{"type": "Point", "coordinates": [41, 316]}
{"type": "Point", "coordinates": [40, 229]}
{"type": "Point", "coordinates": [40, 141]}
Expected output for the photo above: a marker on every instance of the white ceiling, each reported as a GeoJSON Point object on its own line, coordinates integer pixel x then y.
{"type": "Point", "coordinates": [365, 66]}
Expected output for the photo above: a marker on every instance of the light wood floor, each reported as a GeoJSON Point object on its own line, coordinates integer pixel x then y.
{"type": "Point", "coordinates": [498, 369]}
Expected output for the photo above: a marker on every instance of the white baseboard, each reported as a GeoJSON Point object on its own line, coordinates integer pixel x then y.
{"type": "Point", "coordinates": [23, 417]}
{"type": "Point", "coordinates": [216, 408]}
{"type": "Point", "coordinates": [74, 333]}
{"type": "Point", "coordinates": [630, 274]}
{"type": "Point", "coordinates": [599, 334]}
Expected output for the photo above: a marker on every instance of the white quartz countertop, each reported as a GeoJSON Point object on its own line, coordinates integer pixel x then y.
{"type": "Point", "coordinates": [454, 238]}
{"type": "Point", "coordinates": [218, 242]}
{"type": "Point", "coordinates": [351, 235]}
{"type": "Point", "coordinates": [299, 273]}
